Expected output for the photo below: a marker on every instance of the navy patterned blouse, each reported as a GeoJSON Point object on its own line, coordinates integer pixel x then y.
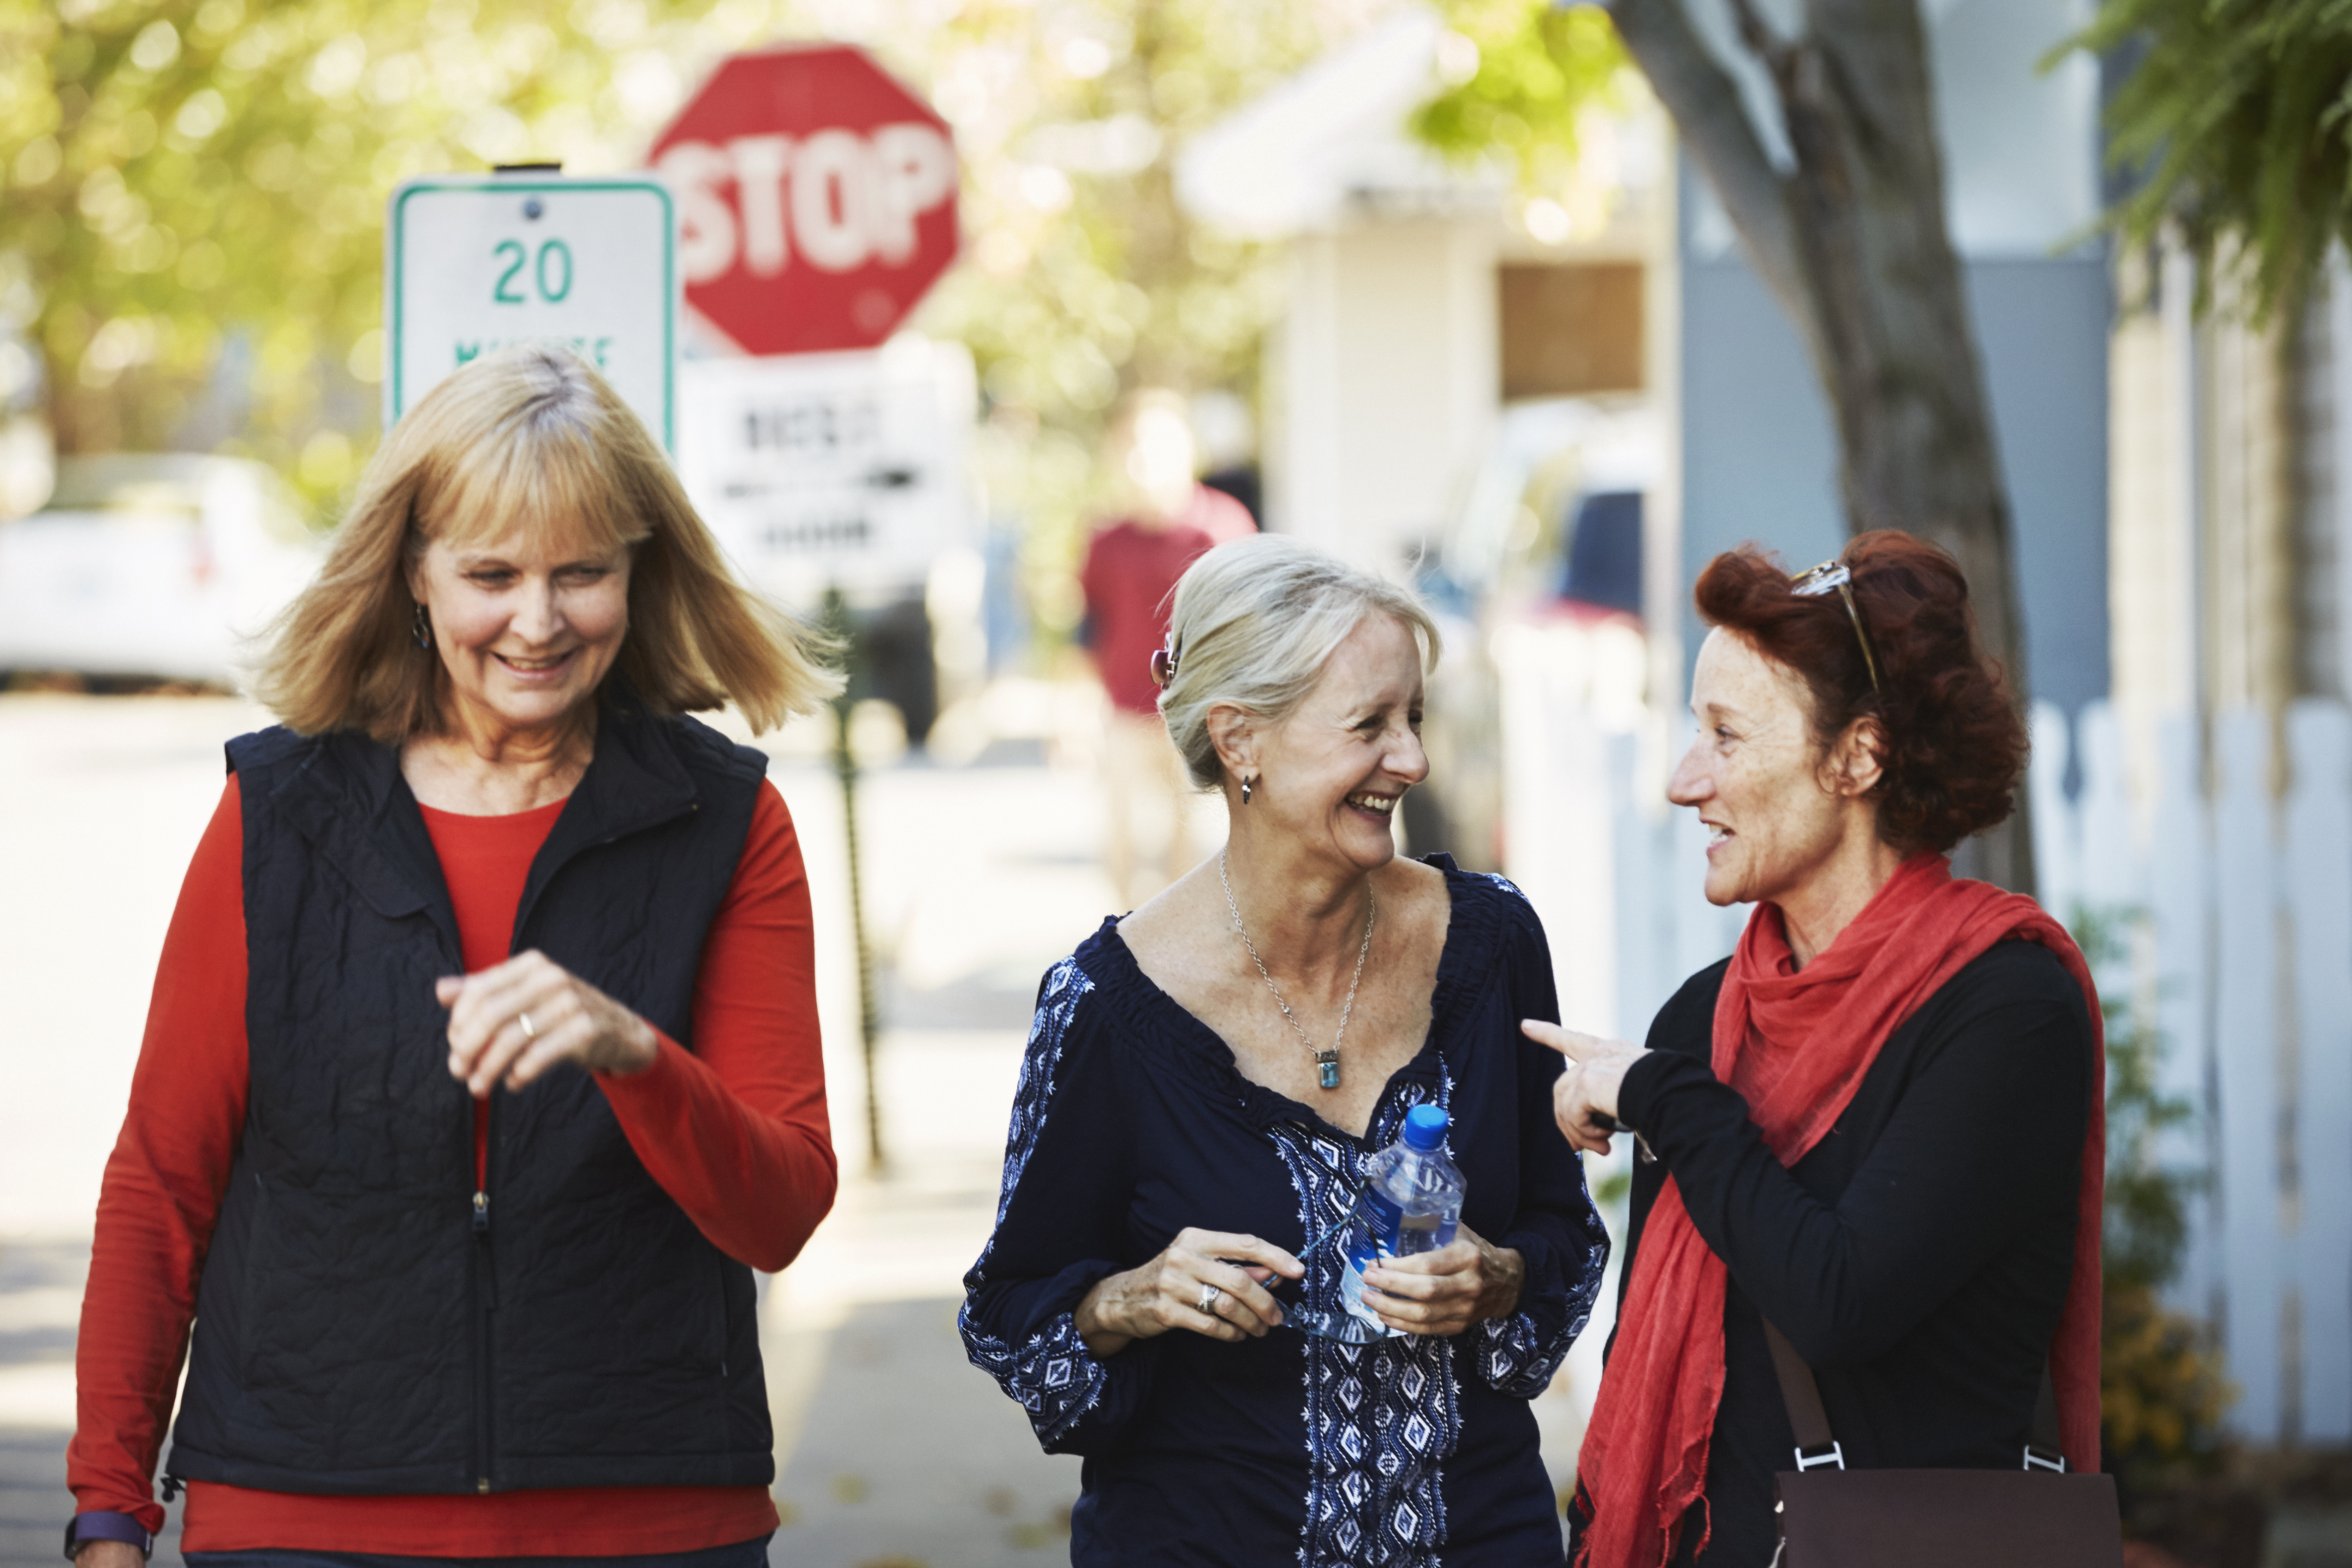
{"type": "Point", "coordinates": [1132, 1122]}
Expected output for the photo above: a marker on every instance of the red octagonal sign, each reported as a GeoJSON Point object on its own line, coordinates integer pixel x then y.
{"type": "Point", "coordinates": [816, 199]}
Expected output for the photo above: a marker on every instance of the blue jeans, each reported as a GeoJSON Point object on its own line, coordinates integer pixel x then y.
{"type": "Point", "coordinates": [742, 1555]}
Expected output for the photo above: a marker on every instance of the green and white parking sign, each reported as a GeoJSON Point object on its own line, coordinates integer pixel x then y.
{"type": "Point", "coordinates": [473, 263]}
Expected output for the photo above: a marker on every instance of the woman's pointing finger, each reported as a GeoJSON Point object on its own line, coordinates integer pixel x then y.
{"type": "Point", "coordinates": [1567, 1042]}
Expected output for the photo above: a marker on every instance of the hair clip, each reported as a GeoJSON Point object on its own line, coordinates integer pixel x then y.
{"type": "Point", "coordinates": [1163, 666]}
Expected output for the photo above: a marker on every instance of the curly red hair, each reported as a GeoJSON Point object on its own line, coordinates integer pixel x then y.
{"type": "Point", "coordinates": [1955, 746]}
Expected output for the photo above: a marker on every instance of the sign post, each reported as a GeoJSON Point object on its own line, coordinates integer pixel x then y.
{"type": "Point", "coordinates": [817, 204]}
{"type": "Point", "coordinates": [845, 767]}
{"type": "Point", "coordinates": [472, 263]}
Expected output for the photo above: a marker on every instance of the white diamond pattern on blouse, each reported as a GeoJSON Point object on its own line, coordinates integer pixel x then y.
{"type": "Point", "coordinates": [1382, 1419]}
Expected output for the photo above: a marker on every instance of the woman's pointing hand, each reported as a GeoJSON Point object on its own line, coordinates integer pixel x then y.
{"type": "Point", "coordinates": [1587, 1088]}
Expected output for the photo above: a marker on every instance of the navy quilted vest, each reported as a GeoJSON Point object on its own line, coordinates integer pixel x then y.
{"type": "Point", "coordinates": [366, 1322]}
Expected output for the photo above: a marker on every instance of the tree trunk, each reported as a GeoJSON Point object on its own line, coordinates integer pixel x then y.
{"type": "Point", "coordinates": [1851, 242]}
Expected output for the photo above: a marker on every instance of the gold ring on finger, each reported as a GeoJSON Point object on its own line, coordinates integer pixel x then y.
{"type": "Point", "coordinates": [1209, 1297]}
{"type": "Point", "coordinates": [528, 1032]}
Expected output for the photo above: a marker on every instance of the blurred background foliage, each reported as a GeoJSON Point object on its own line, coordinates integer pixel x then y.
{"type": "Point", "coordinates": [2234, 122]}
{"type": "Point", "coordinates": [1528, 74]}
{"type": "Point", "coordinates": [2161, 1390]}
{"type": "Point", "coordinates": [192, 198]}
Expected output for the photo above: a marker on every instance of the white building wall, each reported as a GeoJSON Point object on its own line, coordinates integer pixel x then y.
{"type": "Point", "coordinates": [1387, 381]}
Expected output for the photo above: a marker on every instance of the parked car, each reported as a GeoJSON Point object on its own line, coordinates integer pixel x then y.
{"type": "Point", "coordinates": [150, 566]}
{"type": "Point", "coordinates": [1548, 535]}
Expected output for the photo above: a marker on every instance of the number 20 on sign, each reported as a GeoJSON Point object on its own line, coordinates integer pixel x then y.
{"type": "Point", "coordinates": [473, 263]}
{"type": "Point", "coordinates": [508, 291]}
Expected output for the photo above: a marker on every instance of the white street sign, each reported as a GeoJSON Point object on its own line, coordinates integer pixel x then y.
{"type": "Point", "coordinates": [845, 470]}
{"type": "Point", "coordinates": [473, 263]}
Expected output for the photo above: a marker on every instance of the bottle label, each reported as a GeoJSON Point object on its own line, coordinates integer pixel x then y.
{"type": "Point", "coordinates": [1373, 1236]}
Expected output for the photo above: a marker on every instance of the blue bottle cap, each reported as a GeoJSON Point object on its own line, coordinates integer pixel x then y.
{"type": "Point", "coordinates": [1425, 1128]}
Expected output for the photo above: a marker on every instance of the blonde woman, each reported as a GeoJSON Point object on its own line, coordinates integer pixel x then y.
{"type": "Point", "coordinates": [1204, 1081]}
{"type": "Point", "coordinates": [482, 1068]}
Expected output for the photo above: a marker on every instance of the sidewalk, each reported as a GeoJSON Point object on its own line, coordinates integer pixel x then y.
{"type": "Point", "coordinates": [894, 1451]}
{"type": "Point", "coordinates": [40, 1302]}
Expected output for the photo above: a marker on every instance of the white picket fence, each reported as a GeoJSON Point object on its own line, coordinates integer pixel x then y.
{"type": "Point", "coordinates": [2240, 859]}
{"type": "Point", "coordinates": [2236, 867]}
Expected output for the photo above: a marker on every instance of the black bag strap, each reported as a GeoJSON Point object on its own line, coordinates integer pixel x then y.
{"type": "Point", "coordinates": [2045, 1449]}
{"type": "Point", "coordinates": [1809, 1421]}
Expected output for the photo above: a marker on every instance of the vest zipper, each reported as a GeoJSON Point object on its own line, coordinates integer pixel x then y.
{"type": "Point", "coordinates": [482, 1290]}
{"type": "Point", "coordinates": [485, 1302]}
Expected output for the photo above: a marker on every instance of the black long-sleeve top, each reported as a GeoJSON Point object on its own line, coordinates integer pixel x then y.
{"type": "Point", "coordinates": [1917, 1257]}
{"type": "Point", "coordinates": [1132, 1122]}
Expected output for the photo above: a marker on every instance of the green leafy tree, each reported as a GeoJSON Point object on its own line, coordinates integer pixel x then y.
{"type": "Point", "coordinates": [2235, 121]}
{"type": "Point", "coordinates": [193, 191]}
{"type": "Point", "coordinates": [1538, 69]}
{"type": "Point", "coordinates": [192, 196]}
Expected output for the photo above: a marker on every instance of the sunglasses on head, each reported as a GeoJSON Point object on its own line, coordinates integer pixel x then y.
{"type": "Point", "coordinates": [1831, 577]}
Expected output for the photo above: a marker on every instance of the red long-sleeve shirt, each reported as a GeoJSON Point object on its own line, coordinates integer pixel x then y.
{"type": "Point", "coordinates": [734, 1131]}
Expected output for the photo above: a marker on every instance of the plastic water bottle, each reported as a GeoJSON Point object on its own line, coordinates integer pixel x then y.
{"type": "Point", "coordinates": [1412, 1202]}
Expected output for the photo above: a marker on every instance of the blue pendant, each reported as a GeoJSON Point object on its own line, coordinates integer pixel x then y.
{"type": "Point", "coordinates": [1329, 1062]}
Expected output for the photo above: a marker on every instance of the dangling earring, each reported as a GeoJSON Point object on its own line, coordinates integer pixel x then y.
{"type": "Point", "coordinates": [423, 629]}
{"type": "Point", "coordinates": [1247, 785]}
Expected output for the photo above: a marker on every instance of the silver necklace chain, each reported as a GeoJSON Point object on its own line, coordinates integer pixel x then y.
{"type": "Point", "coordinates": [1328, 1061]}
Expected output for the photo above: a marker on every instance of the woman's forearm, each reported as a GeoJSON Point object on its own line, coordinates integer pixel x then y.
{"type": "Point", "coordinates": [163, 1183]}
{"type": "Point", "coordinates": [735, 1131]}
{"type": "Point", "coordinates": [756, 1186]}
{"type": "Point", "coordinates": [1928, 1208]}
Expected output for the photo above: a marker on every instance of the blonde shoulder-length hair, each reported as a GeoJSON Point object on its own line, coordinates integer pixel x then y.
{"type": "Point", "coordinates": [529, 438]}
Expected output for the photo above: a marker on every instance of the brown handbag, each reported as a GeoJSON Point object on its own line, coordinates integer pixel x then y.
{"type": "Point", "coordinates": [1831, 1517]}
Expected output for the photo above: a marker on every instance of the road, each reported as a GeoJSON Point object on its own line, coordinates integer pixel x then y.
{"type": "Point", "coordinates": [892, 1451]}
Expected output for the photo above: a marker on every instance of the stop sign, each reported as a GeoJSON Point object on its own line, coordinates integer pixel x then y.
{"type": "Point", "coordinates": [816, 199]}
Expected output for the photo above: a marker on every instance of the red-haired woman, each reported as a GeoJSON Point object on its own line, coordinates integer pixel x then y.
{"type": "Point", "coordinates": [1876, 1127]}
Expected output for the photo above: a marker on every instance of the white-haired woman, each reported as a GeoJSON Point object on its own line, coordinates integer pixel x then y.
{"type": "Point", "coordinates": [1204, 1081]}
{"type": "Point", "coordinates": [482, 1068]}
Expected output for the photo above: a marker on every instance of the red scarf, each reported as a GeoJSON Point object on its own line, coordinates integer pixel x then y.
{"type": "Point", "coordinates": [1796, 1045]}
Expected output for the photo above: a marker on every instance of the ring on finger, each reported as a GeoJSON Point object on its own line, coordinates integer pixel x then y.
{"type": "Point", "coordinates": [1210, 1294]}
{"type": "Point", "coordinates": [528, 1033]}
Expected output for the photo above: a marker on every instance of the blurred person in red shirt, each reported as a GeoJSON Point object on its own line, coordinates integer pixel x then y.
{"type": "Point", "coordinates": [1167, 520]}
